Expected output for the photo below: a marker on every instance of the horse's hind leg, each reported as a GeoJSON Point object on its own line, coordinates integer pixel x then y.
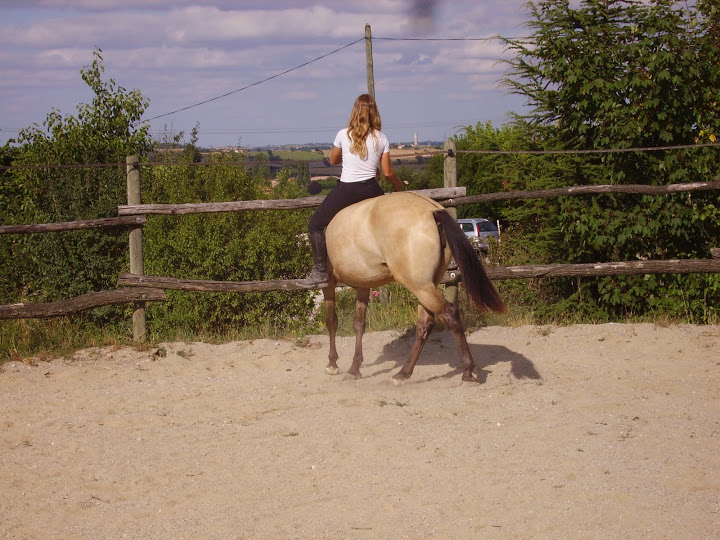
{"type": "Point", "coordinates": [450, 316]}
{"type": "Point", "coordinates": [432, 302]}
{"type": "Point", "coordinates": [361, 305]}
{"type": "Point", "coordinates": [426, 322]}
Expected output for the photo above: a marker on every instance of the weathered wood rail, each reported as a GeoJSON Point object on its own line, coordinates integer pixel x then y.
{"type": "Point", "coordinates": [125, 221]}
{"type": "Point", "coordinates": [590, 190]}
{"type": "Point", "coordinates": [80, 303]}
{"type": "Point", "coordinates": [443, 195]}
{"type": "Point", "coordinates": [497, 273]}
{"type": "Point", "coordinates": [625, 268]}
{"type": "Point", "coordinates": [177, 284]}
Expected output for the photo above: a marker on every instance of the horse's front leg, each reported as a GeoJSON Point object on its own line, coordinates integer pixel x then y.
{"type": "Point", "coordinates": [361, 305]}
{"type": "Point", "coordinates": [426, 322]}
{"type": "Point", "coordinates": [331, 320]}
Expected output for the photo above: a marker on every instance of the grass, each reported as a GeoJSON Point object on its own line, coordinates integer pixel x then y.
{"type": "Point", "coordinates": [24, 338]}
{"type": "Point", "coordinates": [391, 307]}
{"type": "Point", "coordinates": [294, 155]}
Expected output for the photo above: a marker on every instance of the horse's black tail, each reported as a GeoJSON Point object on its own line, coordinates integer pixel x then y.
{"type": "Point", "coordinates": [478, 286]}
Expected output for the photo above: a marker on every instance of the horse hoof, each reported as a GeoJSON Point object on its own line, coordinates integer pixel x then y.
{"type": "Point", "coordinates": [354, 376]}
{"type": "Point", "coordinates": [400, 378]}
{"type": "Point", "coordinates": [470, 378]}
{"type": "Point", "coordinates": [332, 370]}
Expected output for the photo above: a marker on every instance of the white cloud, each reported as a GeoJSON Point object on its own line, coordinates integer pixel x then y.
{"type": "Point", "coordinates": [210, 24]}
{"type": "Point", "coordinates": [181, 52]}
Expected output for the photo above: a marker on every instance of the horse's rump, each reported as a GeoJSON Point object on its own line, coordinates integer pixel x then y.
{"type": "Point", "coordinates": [392, 237]}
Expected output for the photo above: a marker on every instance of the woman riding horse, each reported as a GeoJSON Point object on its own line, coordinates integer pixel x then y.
{"type": "Point", "coordinates": [361, 148]}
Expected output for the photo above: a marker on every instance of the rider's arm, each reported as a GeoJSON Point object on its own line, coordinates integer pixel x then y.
{"type": "Point", "coordinates": [336, 156]}
{"type": "Point", "coordinates": [388, 172]}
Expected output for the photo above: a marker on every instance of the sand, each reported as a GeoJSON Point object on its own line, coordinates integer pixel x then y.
{"type": "Point", "coordinates": [587, 431]}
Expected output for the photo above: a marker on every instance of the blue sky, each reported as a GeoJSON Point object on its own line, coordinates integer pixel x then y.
{"type": "Point", "coordinates": [181, 52]}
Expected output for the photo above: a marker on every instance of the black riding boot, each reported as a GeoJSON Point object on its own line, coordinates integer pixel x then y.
{"type": "Point", "coordinates": [318, 278]}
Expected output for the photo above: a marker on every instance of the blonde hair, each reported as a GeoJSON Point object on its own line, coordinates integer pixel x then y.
{"type": "Point", "coordinates": [364, 119]}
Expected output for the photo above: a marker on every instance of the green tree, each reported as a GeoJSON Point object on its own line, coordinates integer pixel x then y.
{"type": "Point", "coordinates": [302, 179]}
{"type": "Point", "coordinates": [621, 74]}
{"type": "Point", "coordinates": [61, 265]}
{"type": "Point", "coordinates": [531, 232]}
{"type": "Point", "coordinates": [10, 193]}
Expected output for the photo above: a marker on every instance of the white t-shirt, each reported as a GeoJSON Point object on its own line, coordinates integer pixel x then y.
{"type": "Point", "coordinates": [355, 169]}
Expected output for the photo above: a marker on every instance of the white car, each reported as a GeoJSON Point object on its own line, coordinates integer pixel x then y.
{"type": "Point", "coordinates": [479, 231]}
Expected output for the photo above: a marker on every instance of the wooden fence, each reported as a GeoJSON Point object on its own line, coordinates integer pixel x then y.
{"type": "Point", "coordinates": [138, 288]}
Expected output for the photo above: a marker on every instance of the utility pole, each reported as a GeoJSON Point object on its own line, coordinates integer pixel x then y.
{"type": "Point", "coordinates": [369, 61]}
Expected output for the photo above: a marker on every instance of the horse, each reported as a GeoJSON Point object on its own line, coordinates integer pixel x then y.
{"type": "Point", "coordinates": [411, 239]}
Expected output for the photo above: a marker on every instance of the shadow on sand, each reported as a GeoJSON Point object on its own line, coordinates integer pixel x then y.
{"type": "Point", "coordinates": [442, 350]}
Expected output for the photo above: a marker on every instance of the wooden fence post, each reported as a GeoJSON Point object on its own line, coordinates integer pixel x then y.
{"type": "Point", "coordinates": [450, 181]}
{"type": "Point", "coordinates": [136, 253]}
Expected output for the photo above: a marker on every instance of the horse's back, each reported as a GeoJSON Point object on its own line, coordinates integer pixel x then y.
{"type": "Point", "coordinates": [386, 238]}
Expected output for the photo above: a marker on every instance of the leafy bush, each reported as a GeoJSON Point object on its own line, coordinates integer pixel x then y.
{"type": "Point", "coordinates": [622, 74]}
{"type": "Point", "coordinates": [47, 267]}
{"type": "Point", "coordinates": [232, 246]}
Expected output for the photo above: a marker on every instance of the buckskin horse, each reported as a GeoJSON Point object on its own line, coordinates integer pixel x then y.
{"type": "Point", "coordinates": [408, 238]}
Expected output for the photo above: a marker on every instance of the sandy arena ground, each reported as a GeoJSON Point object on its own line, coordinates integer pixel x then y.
{"type": "Point", "coordinates": [588, 431]}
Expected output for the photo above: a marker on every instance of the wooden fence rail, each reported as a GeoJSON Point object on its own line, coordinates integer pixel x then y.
{"type": "Point", "coordinates": [626, 268]}
{"type": "Point", "coordinates": [497, 273]}
{"type": "Point", "coordinates": [590, 190]}
{"type": "Point", "coordinates": [443, 195]}
{"type": "Point", "coordinates": [125, 221]}
{"type": "Point", "coordinates": [79, 303]}
{"type": "Point", "coordinates": [177, 284]}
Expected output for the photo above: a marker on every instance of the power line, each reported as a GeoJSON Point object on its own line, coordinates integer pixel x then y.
{"type": "Point", "coordinates": [491, 38]}
{"type": "Point", "coordinates": [241, 131]}
{"type": "Point", "coordinates": [595, 151]}
{"type": "Point", "coordinates": [436, 39]}
{"type": "Point", "coordinates": [255, 83]}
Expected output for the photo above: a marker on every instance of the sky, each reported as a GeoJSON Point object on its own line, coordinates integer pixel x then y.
{"type": "Point", "coordinates": [435, 71]}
